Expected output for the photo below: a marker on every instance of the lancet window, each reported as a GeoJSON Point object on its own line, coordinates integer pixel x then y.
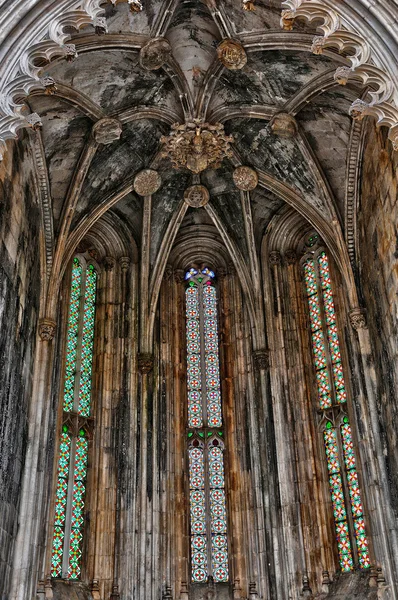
{"type": "Point", "coordinates": [206, 444]}
{"type": "Point", "coordinates": [337, 436]}
{"type": "Point", "coordinates": [76, 424]}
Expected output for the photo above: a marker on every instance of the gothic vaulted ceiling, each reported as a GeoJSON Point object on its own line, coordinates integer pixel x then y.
{"type": "Point", "coordinates": [306, 170]}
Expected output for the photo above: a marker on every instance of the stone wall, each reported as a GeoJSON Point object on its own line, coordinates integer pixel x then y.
{"type": "Point", "coordinates": [378, 250]}
{"type": "Point", "coordinates": [19, 303]}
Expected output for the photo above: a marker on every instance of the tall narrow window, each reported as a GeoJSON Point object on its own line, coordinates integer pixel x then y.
{"type": "Point", "coordinates": [340, 456]}
{"type": "Point", "coordinates": [208, 515]}
{"type": "Point", "coordinates": [73, 448]}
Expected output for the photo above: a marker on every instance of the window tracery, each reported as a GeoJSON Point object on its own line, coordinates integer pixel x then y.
{"type": "Point", "coordinates": [336, 430]}
{"type": "Point", "coordinates": [208, 514]}
{"type": "Point", "coordinates": [76, 424]}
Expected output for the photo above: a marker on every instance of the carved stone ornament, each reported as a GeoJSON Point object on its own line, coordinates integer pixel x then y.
{"type": "Point", "coordinates": [106, 131]}
{"type": "Point", "coordinates": [248, 5]}
{"type": "Point", "coordinates": [70, 52]}
{"type": "Point", "coordinates": [34, 121]}
{"type": "Point", "coordinates": [245, 178]}
{"type": "Point", "coordinates": [135, 6]}
{"type": "Point", "coordinates": [365, 64]}
{"type": "Point", "coordinates": [261, 359]}
{"type": "Point", "coordinates": [109, 263]}
{"type": "Point", "coordinates": [147, 182]}
{"type": "Point", "coordinates": [342, 75]}
{"type": "Point", "coordinates": [290, 257]}
{"type": "Point", "coordinates": [358, 318]}
{"type": "Point", "coordinates": [145, 362]}
{"type": "Point", "coordinates": [275, 258]}
{"type": "Point", "coordinates": [196, 145]}
{"type": "Point", "coordinates": [284, 125]}
{"type": "Point", "coordinates": [100, 25]}
{"type": "Point", "coordinates": [196, 196]}
{"type": "Point", "coordinates": [47, 329]}
{"type": "Point", "coordinates": [155, 53]}
{"type": "Point", "coordinates": [124, 262]}
{"type": "Point", "coordinates": [232, 54]}
{"type": "Point", "coordinates": [49, 84]}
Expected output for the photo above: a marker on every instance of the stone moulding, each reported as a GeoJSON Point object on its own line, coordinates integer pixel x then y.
{"type": "Point", "coordinates": [25, 74]}
{"type": "Point", "coordinates": [365, 66]}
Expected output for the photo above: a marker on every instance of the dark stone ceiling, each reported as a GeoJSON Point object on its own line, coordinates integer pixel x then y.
{"type": "Point", "coordinates": [281, 75]}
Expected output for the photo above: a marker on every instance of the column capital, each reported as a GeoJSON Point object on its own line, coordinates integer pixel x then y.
{"type": "Point", "coordinates": [275, 258]}
{"type": "Point", "coordinates": [290, 257]}
{"type": "Point", "coordinates": [109, 263]}
{"type": "Point", "coordinates": [358, 318]}
{"type": "Point", "coordinates": [261, 359]}
{"type": "Point", "coordinates": [179, 275]}
{"type": "Point", "coordinates": [124, 262]}
{"type": "Point", "coordinates": [47, 329]}
{"type": "Point", "coordinates": [145, 362]}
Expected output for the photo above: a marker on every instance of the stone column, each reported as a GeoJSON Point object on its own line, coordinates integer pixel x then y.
{"type": "Point", "coordinates": [103, 476]}
{"type": "Point", "coordinates": [284, 442]}
{"type": "Point", "coordinates": [252, 428]}
{"type": "Point", "coordinates": [375, 477]}
{"type": "Point", "coordinates": [32, 514]}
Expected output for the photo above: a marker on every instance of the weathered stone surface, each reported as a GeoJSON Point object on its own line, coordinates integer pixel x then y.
{"type": "Point", "coordinates": [19, 305]}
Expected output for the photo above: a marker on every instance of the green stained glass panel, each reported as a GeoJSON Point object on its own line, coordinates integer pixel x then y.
{"type": "Point", "coordinates": [72, 335]}
{"type": "Point", "coordinates": [337, 496]}
{"type": "Point", "coordinates": [355, 495]}
{"type": "Point", "coordinates": [61, 497]}
{"type": "Point", "coordinates": [78, 496]}
{"type": "Point", "coordinates": [87, 342]}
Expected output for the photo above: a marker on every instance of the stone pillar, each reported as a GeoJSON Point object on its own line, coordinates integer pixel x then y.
{"type": "Point", "coordinates": [283, 420]}
{"type": "Point", "coordinates": [32, 513]}
{"type": "Point", "coordinates": [252, 424]}
{"type": "Point", "coordinates": [103, 480]}
{"type": "Point", "coordinates": [375, 477]}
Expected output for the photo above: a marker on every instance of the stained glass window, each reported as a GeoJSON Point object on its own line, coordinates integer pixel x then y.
{"type": "Point", "coordinates": [340, 456]}
{"type": "Point", "coordinates": [73, 448]}
{"type": "Point", "coordinates": [208, 513]}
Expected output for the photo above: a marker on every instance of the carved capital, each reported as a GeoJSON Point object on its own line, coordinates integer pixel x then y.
{"type": "Point", "coordinates": [155, 53]}
{"type": "Point", "coordinates": [261, 359]}
{"type": "Point", "coordinates": [47, 329]}
{"type": "Point", "coordinates": [284, 125]}
{"type": "Point", "coordinates": [179, 275]}
{"type": "Point", "coordinates": [275, 258]}
{"type": "Point", "coordinates": [168, 272]}
{"type": "Point", "coordinates": [145, 362]}
{"type": "Point", "coordinates": [358, 318]}
{"type": "Point", "coordinates": [124, 262]}
{"type": "Point", "coordinates": [109, 263]}
{"type": "Point", "coordinates": [107, 130]}
{"type": "Point", "coordinates": [290, 257]}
